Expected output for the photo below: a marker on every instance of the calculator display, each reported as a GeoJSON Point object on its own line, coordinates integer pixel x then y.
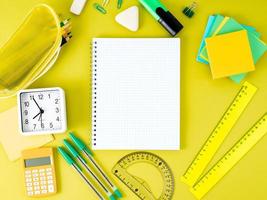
{"type": "Point", "coordinates": [37, 162]}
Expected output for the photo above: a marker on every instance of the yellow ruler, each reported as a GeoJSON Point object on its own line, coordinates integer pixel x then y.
{"type": "Point", "coordinates": [137, 185]}
{"type": "Point", "coordinates": [219, 133]}
{"type": "Point", "coordinates": [230, 158]}
{"type": "Point", "coordinates": [222, 129]}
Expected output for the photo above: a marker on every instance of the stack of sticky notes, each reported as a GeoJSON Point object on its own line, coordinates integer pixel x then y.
{"type": "Point", "coordinates": [230, 48]}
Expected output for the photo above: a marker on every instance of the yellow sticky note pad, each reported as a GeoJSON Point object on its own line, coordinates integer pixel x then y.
{"type": "Point", "coordinates": [12, 141]}
{"type": "Point", "coordinates": [229, 54]}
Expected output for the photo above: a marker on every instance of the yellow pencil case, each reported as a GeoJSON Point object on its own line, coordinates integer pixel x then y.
{"type": "Point", "coordinates": [31, 50]}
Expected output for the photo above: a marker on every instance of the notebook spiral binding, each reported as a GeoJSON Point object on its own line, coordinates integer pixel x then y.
{"type": "Point", "coordinates": [94, 89]}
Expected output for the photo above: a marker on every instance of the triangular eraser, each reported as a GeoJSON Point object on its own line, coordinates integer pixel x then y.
{"type": "Point", "coordinates": [129, 18]}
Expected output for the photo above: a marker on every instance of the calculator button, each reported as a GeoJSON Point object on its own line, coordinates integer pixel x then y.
{"type": "Point", "coordinates": [30, 193]}
{"type": "Point", "coordinates": [49, 169]}
{"type": "Point", "coordinates": [28, 172]}
{"type": "Point", "coordinates": [36, 183]}
{"type": "Point", "coordinates": [50, 182]}
{"type": "Point", "coordinates": [42, 174]}
{"type": "Point", "coordinates": [37, 188]}
{"type": "Point", "coordinates": [37, 192]}
{"type": "Point", "coordinates": [35, 179]}
{"type": "Point", "coordinates": [43, 182]}
{"type": "Point", "coordinates": [28, 176]}
{"type": "Point", "coordinates": [43, 187]}
{"type": "Point", "coordinates": [29, 188]}
{"type": "Point", "coordinates": [41, 170]}
{"type": "Point", "coordinates": [42, 178]}
{"type": "Point", "coordinates": [50, 188]}
{"type": "Point", "coordinates": [49, 177]}
{"type": "Point", "coordinates": [28, 184]}
{"type": "Point", "coordinates": [49, 173]}
{"type": "Point", "coordinates": [35, 175]}
{"type": "Point", "coordinates": [34, 171]}
{"type": "Point", "coordinates": [28, 179]}
{"type": "Point", "coordinates": [44, 191]}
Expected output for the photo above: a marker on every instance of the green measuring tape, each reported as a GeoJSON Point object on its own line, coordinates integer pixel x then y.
{"type": "Point", "coordinates": [135, 184]}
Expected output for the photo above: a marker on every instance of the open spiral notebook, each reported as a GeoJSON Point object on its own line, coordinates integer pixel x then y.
{"type": "Point", "coordinates": [136, 93]}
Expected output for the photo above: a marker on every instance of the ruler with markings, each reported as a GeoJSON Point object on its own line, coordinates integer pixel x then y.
{"type": "Point", "coordinates": [222, 129]}
{"type": "Point", "coordinates": [230, 158]}
{"type": "Point", "coordinates": [137, 185]}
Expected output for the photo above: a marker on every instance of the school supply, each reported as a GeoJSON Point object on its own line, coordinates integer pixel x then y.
{"type": "Point", "coordinates": [31, 50]}
{"type": "Point", "coordinates": [231, 158]}
{"type": "Point", "coordinates": [137, 185]}
{"type": "Point", "coordinates": [66, 33]}
{"type": "Point", "coordinates": [189, 10]}
{"type": "Point", "coordinates": [136, 93]}
{"type": "Point", "coordinates": [82, 161]}
{"type": "Point", "coordinates": [42, 111]}
{"type": "Point", "coordinates": [119, 3]}
{"type": "Point", "coordinates": [205, 35]}
{"type": "Point", "coordinates": [13, 142]}
{"type": "Point", "coordinates": [77, 6]}
{"type": "Point", "coordinates": [39, 172]}
{"type": "Point", "coordinates": [162, 15]}
{"type": "Point", "coordinates": [224, 61]}
{"type": "Point", "coordinates": [129, 18]}
{"type": "Point", "coordinates": [218, 25]}
{"type": "Point", "coordinates": [105, 3]}
{"type": "Point", "coordinates": [71, 162]}
{"type": "Point", "coordinates": [89, 154]}
{"type": "Point", "coordinates": [222, 129]}
{"type": "Point", "coordinates": [99, 8]}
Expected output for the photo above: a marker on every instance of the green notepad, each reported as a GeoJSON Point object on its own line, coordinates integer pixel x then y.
{"type": "Point", "coordinates": [223, 25]}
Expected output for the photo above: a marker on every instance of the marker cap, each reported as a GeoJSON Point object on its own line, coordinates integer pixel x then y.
{"type": "Point", "coordinates": [81, 146]}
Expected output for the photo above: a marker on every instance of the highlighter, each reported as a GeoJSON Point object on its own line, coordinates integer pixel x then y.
{"type": "Point", "coordinates": [162, 15]}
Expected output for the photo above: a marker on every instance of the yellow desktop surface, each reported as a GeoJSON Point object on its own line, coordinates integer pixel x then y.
{"type": "Point", "coordinates": [203, 100]}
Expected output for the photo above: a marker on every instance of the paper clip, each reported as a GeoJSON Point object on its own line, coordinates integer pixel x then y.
{"type": "Point", "coordinates": [100, 8]}
{"type": "Point", "coordinates": [189, 11]}
{"type": "Point", "coordinates": [119, 4]}
{"type": "Point", "coordinates": [105, 3]}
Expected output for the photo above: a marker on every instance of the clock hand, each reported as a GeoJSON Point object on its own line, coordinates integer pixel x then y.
{"type": "Point", "coordinates": [41, 116]}
{"type": "Point", "coordinates": [36, 115]}
{"type": "Point", "coordinates": [37, 104]}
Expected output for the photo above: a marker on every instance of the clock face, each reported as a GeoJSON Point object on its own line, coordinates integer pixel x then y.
{"type": "Point", "coordinates": [42, 111]}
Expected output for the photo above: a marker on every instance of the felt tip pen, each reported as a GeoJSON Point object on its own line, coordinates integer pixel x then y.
{"type": "Point", "coordinates": [76, 155]}
{"type": "Point", "coordinates": [86, 151]}
{"type": "Point", "coordinates": [71, 162]}
{"type": "Point", "coordinates": [162, 15]}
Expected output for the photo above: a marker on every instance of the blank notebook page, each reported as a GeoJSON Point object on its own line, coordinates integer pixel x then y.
{"type": "Point", "coordinates": [136, 94]}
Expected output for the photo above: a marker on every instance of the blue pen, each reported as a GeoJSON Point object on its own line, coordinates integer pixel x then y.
{"type": "Point", "coordinates": [82, 147]}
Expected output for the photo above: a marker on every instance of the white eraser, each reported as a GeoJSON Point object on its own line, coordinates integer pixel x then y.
{"type": "Point", "coordinates": [77, 6]}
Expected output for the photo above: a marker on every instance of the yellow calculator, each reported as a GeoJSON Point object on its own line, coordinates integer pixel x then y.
{"type": "Point", "coordinates": [39, 172]}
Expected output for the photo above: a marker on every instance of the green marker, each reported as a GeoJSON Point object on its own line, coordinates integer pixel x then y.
{"type": "Point", "coordinates": [162, 15]}
{"type": "Point", "coordinates": [76, 155]}
{"type": "Point", "coordinates": [71, 162]}
{"type": "Point", "coordinates": [86, 151]}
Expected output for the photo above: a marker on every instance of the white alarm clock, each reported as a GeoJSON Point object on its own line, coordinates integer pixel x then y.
{"type": "Point", "coordinates": [42, 111]}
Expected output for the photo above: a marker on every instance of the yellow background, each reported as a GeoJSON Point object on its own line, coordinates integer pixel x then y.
{"type": "Point", "coordinates": [203, 100]}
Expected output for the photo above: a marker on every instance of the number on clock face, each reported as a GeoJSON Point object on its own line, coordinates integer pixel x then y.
{"type": "Point", "coordinates": [41, 111]}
